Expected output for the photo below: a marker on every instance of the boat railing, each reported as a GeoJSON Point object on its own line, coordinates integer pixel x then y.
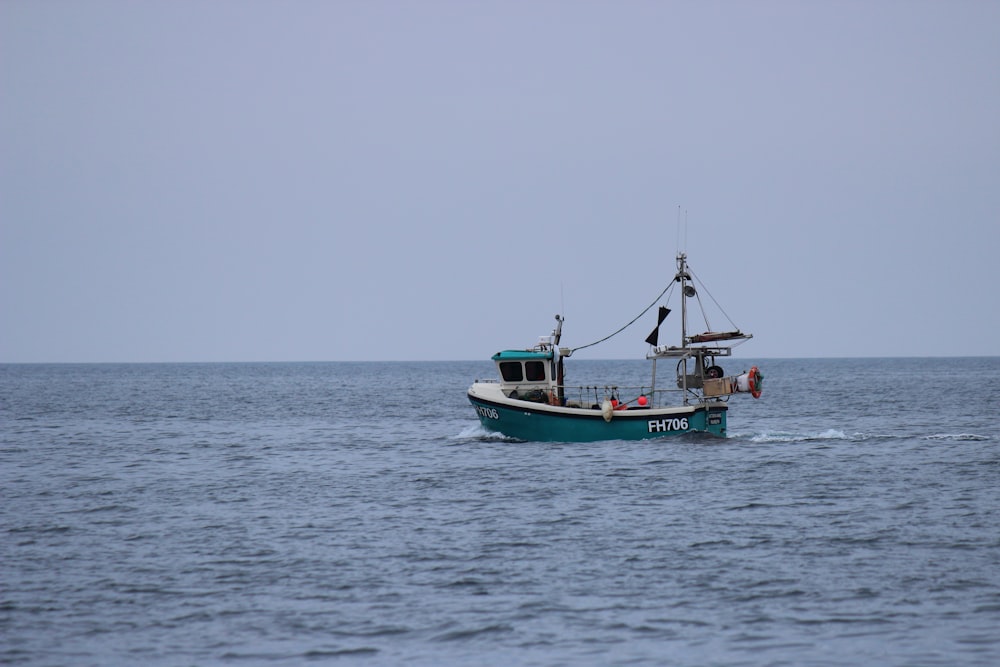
{"type": "Point", "coordinates": [632, 396]}
{"type": "Point", "coordinates": [593, 396]}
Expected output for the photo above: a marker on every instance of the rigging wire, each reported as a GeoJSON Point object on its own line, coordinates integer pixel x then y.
{"type": "Point", "coordinates": [701, 286]}
{"type": "Point", "coordinates": [665, 290]}
{"type": "Point", "coordinates": [701, 306]}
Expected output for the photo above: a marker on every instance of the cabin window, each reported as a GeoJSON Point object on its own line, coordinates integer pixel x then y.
{"type": "Point", "coordinates": [534, 371]}
{"type": "Point", "coordinates": [511, 371]}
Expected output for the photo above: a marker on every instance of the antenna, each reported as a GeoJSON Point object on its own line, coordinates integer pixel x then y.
{"type": "Point", "coordinates": [678, 228]}
{"type": "Point", "coordinates": [682, 235]}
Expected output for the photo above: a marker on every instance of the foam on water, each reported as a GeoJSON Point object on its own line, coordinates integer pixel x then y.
{"type": "Point", "coordinates": [477, 431]}
{"type": "Point", "coordinates": [769, 436]}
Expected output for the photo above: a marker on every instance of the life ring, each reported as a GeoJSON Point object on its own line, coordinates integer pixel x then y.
{"type": "Point", "coordinates": [754, 380]}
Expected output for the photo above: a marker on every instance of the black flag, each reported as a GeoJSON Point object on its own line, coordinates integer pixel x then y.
{"type": "Point", "coordinates": [654, 338]}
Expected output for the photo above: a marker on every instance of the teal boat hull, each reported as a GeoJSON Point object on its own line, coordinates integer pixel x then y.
{"type": "Point", "coordinates": [524, 420]}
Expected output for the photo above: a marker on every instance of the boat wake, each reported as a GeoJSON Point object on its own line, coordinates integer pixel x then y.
{"type": "Point", "coordinates": [477, 432]}
{"type": "Point", "coordinates": [958, 436]}
{"type": "Point", "coordinates": [779, 436]}
{"type": "Point", "coordinates": [834, 434]}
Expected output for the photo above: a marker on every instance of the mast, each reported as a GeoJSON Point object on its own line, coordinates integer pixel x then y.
{"type": "Point", "coordinates": [682, 276]}
{"type": "Point", "coordinates": [557, 355]}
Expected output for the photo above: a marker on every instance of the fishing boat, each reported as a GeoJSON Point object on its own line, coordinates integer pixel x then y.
{"type": "Point", "coordinates": [531, 400]}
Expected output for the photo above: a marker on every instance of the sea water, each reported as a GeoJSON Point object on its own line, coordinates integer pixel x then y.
{"type": "Point", "coordinates": [357, 514]}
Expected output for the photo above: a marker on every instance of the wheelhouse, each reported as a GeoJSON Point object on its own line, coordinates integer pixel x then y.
{"type": "Point", "coordinates": [526, 374]}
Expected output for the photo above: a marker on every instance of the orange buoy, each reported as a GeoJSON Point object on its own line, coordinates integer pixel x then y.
{"type": "Point", "coordinates": [754, 380]}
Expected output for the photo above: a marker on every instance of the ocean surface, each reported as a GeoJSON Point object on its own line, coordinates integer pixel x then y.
{"type": "Point", "coordinates": [357, 514]}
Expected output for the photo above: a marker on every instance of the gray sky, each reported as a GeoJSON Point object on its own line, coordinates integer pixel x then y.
{"type": "Point", "coordinates": [226, 181]}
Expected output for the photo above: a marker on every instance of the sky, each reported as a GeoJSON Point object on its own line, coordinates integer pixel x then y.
{"type": "Point", "coordinates": [185, 181]}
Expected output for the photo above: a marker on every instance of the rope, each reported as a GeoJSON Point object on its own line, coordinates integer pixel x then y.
{"type": "Point", "coordinates": [665, 290]}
